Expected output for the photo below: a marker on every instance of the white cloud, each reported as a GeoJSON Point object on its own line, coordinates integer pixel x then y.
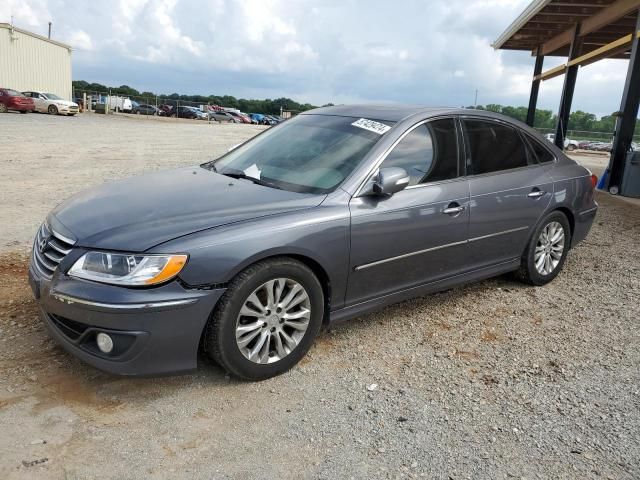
{"type": "Point", "coordinates": [79, 39]}
{"type": "Point", "coordinates": [435, 52]}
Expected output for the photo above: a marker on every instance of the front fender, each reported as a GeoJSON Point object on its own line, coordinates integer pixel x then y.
{"type": "Point", "coordinates": [320, 234]}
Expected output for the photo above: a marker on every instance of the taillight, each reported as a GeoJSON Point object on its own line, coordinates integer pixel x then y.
{"type": "Point", "coordinates": [594, 181]}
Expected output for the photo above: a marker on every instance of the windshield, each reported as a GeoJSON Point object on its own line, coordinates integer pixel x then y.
{"type": "Point", "coordinates": [307, 154]}
{"type": "Point", "coordinates": [52, 96]}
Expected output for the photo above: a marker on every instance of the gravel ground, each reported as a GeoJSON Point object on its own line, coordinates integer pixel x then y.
{"type": "Point", "coordinates": [493, 380]}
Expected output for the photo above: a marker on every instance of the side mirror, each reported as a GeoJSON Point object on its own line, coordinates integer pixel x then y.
{"type": "Point", "coordinates": [388, 181]}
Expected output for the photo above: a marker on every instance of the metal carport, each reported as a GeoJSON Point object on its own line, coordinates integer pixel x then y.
{"type": "Point", "coordinates": [584, 31]}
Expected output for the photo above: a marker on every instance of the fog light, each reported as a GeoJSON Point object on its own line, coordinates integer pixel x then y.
{"type": "Point", "coordinates": [105, 342]}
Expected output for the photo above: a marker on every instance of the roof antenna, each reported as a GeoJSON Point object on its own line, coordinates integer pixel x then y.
{"type": "Point", "coordinates": [49, 31]}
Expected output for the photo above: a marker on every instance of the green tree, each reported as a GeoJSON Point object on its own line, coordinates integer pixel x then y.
{"type": "Point", "coordinates": [580, 120]}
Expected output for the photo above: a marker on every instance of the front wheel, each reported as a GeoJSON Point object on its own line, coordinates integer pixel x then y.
{"type": "Point", "coordinates": [53, 110]}
{"type": "Point", "coordinates": [571, 147]}
{"type": "Point", "coordinates": [547, 250]}
{"type": "Point", "coordinates": [3, 108]}
{"type": "Point", "coordinates": [267, 319]}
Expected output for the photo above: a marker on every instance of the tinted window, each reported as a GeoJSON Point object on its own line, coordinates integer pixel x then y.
{"type": "Point", "coordinates": [429, 153]}
{"type": "Point", "coordinates": [494, 147]}
{"type": "Point", "coordinates": [541, 154]}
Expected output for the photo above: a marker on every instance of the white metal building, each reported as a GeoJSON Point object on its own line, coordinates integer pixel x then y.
{"type": "Point", "coordinates": [32, 62]}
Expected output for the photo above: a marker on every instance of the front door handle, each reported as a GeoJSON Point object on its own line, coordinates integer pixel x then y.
{"type": "Point", "coordinates": [453, 209]}
{"type": "Point", "coordinates": [536, 193]}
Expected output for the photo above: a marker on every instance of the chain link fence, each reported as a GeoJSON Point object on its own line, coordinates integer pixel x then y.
{"type": "Point", "coordinates": [163, 106]}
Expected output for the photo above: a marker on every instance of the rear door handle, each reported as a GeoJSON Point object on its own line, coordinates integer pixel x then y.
{"type": "Point", "coordinates": [535, 193]}
{"type": "Point", "coordinates": [453, 209]}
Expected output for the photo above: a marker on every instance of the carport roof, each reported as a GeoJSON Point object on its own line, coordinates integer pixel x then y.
{"type": "Point", "coordinates": [546, 26]}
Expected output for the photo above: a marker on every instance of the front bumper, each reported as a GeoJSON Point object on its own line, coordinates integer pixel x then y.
{"type": "Point", "coordinates": [155, 331]}
{"type": "Point", "coordinates": [67, 110]}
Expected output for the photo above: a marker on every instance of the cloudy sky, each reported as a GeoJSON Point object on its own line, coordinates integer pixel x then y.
{"type": "Point", "coordinates": [342, 51]}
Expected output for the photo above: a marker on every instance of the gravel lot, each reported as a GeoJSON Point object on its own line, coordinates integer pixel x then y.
{"type": "Point", "coordinates": [494, 380]}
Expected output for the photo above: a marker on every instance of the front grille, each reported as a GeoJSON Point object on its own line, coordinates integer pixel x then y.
{"type": "Point", "coordinates": [49, 248]}
{"type": "Point", "coordinates": [71, 329]}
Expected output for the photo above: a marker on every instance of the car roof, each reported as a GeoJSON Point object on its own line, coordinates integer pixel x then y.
{"type": "Point", "coordinates": [398, 112]}
{"type": "Point", "coordinates": [389, 112]}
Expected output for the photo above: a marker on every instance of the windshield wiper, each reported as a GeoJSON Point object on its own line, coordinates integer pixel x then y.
{"type": "Point", "coordinates": [210, 166]}
{"type": "Point", "coordinates": [235, 173]}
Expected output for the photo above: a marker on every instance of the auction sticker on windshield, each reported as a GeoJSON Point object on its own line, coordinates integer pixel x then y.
{"type": "Point", "coordinates": [372, 126]}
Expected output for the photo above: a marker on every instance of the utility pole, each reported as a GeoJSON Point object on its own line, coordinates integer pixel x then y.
{"type": "Point", "coordinates": [475, 102]}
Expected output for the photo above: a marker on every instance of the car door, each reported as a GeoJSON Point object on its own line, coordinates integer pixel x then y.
{"type": "Point", "coordinates": [509, 190]}
{"type": "Point", "coordinates": [33, 96]}
{"type": "Point", "coordinates": [42, 103]}
{"type": "Point", "coordinates": [419, 234]}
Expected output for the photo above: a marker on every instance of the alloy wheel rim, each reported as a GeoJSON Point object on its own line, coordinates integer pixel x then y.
{"type": "Point", "coordinates": [273, 320]}
{"type": "Point", "coordinates": [549, 248]}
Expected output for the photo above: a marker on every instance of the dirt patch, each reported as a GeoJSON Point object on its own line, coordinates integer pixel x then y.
{"type": "Point", "coordinates": [493, 380]}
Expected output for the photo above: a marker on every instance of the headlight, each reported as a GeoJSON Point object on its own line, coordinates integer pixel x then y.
{"type": "Point", "coordinates": [129, 270]}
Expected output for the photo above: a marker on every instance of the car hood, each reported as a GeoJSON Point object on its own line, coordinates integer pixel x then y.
{"type": "Point", "coordinates": [141, 212]}
{"type": "Point", "coordinates": [66, 103]}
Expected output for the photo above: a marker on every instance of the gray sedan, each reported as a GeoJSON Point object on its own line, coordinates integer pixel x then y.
{"type": "Point", "coordinates": [330, 215]}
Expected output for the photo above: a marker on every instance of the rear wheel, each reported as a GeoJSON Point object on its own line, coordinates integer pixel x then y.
{"type": "Point", "coordinates": [3, 108]}
{"type": "Point", "coordinates": [571, 147]}
{"type": "Point", "coordinates": [53, 110]}
{"type": "Point", "coordinates": [547, 250]}
{"type": "Point", "coordinates": [267, 319]}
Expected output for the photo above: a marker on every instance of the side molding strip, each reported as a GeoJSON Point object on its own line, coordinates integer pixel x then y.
{"type": "Point", "coordinates": [439, 247]}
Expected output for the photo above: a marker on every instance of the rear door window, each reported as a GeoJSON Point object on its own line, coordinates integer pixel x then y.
{"type": "Point", "coordinates": [494, 147]}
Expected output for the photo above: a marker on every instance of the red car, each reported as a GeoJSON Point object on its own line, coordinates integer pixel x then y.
{"type": "Point", "coordinates": [13, 100]}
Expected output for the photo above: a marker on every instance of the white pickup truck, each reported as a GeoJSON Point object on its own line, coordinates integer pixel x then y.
{"type": "Point", "coordinates": [569, 144]}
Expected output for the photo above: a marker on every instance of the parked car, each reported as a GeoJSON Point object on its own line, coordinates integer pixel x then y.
{"type": "Point", "coordinates": [257, 118]}
{"type": "Point", "coordinates": [334, 213]}
{"type": "Point", "coordinates": [222, 116]}
{"type": "Point", "coordinates": [185, 112]}
{"type": "Point", "coordinates": [569, 144]}
{"type": "Point", "coordinates": [145, 109]}
{"type": "Point", "coordinates": [13, 100]}
{"type": "Point", "coordinates": [165, 110]}
{"type": "Point", "coordinates": [52, 104]}
{"type": "Point", "coordinates": [274, 120]}
{"type": "Point", "coordinates": [239, 116]}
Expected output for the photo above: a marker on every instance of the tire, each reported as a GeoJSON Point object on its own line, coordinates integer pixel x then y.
{"type": "Point", "coordinates": [3, 108]}
{"type": "Point", "coordinates": [531, 273]}
{"type": "Point", "coordinates": [24, 111]}
{"type": "Point", "coordinates": [53, 110]}
{"type": "Point", "coordinates": [571, 147]}
{"type": "Point", "coordinates": [220, 341]}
